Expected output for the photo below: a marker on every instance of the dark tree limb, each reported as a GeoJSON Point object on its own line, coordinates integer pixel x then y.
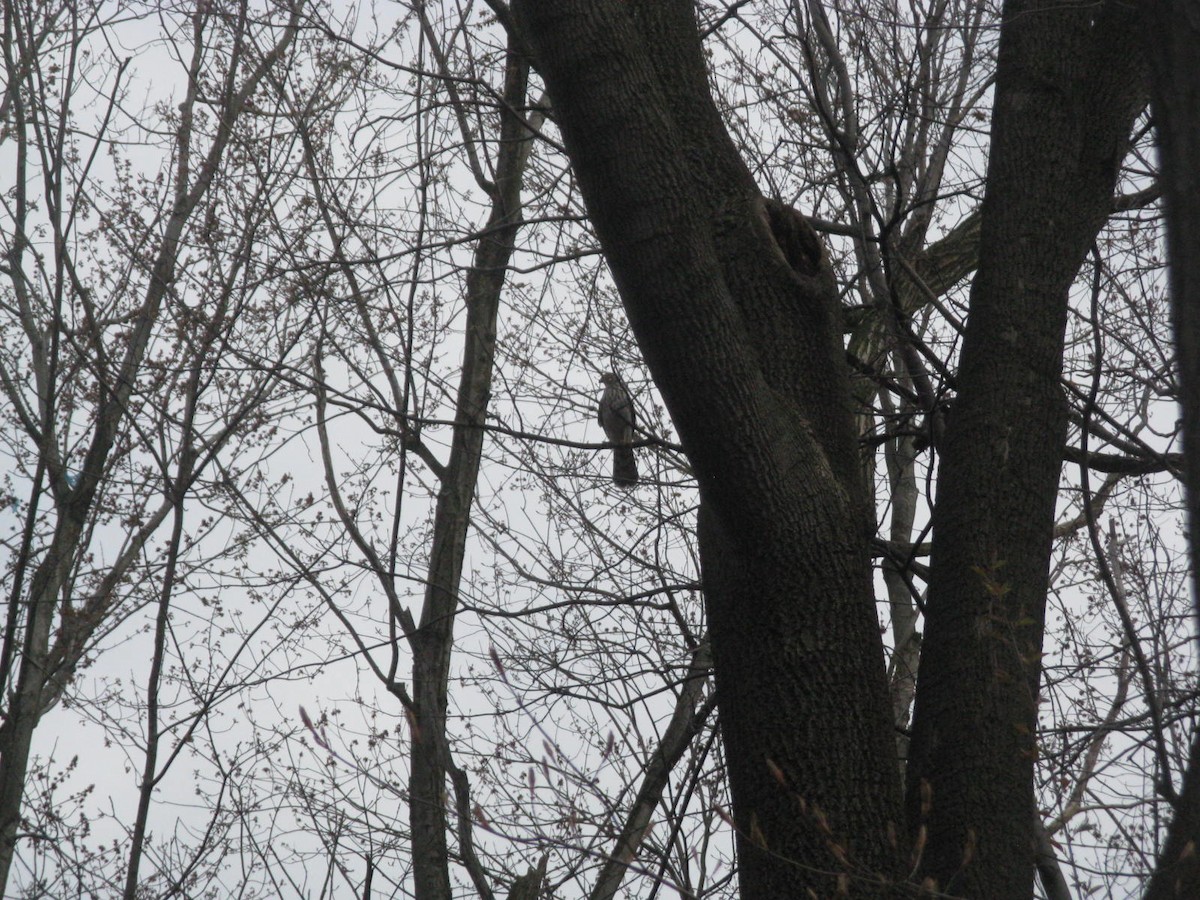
{"type": "Point", "coordinates": [1172, 40]}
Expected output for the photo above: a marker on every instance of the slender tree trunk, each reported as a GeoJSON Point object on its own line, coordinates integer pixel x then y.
{"type": "Point", "coordinates": [434, 637]}
{"type": "Point", "coordinates": [1068, 87]}
{"type": "Point", "coordinates": [149, 781]}
{"type": "Point", "coordinates": [685, 724]}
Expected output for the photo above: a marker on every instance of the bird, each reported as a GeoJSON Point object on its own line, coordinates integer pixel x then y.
{"type": "Point", "coordinates": [617, 419]}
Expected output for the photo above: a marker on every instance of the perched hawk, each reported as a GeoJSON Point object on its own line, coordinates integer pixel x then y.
{"type": "Point", "coordinates": [616, 418]}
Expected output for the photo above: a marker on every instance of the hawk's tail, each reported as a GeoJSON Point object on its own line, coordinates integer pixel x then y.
{"type": "Point", "coordinates": [625, 471]}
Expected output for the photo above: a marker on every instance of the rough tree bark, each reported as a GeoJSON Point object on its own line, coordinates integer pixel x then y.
{"type": "Point", "coordinates": [733, 304]}
{"type": "Point", "coordinates": [1069, 84]}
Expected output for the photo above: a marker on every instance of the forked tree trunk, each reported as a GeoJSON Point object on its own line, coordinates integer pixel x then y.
{"type": "Point", "coordinates": [735, 312]}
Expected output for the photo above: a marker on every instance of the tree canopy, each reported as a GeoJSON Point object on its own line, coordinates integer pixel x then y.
{"type": "Point", "coordinates": [317, 578]}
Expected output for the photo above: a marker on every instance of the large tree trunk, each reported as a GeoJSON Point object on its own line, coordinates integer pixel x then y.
{"type": "Point", "coordinates": [733, 304]}
{"type": "Point", "coordinates": [1068, 87]}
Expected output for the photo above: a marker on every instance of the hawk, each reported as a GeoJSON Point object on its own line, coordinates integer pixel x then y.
{"type": "Point", "coordinates": [617, 420]}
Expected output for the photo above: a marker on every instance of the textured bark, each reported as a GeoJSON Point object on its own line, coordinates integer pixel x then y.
{"type": "Point", "coordinates": [434, 638]}
{"type": "Point", "coordinates": [1173, 40]}
{"type": "Point", "coordinates": [733, 304]}
{"type": "Point", "coordinates": [1068, 87]}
